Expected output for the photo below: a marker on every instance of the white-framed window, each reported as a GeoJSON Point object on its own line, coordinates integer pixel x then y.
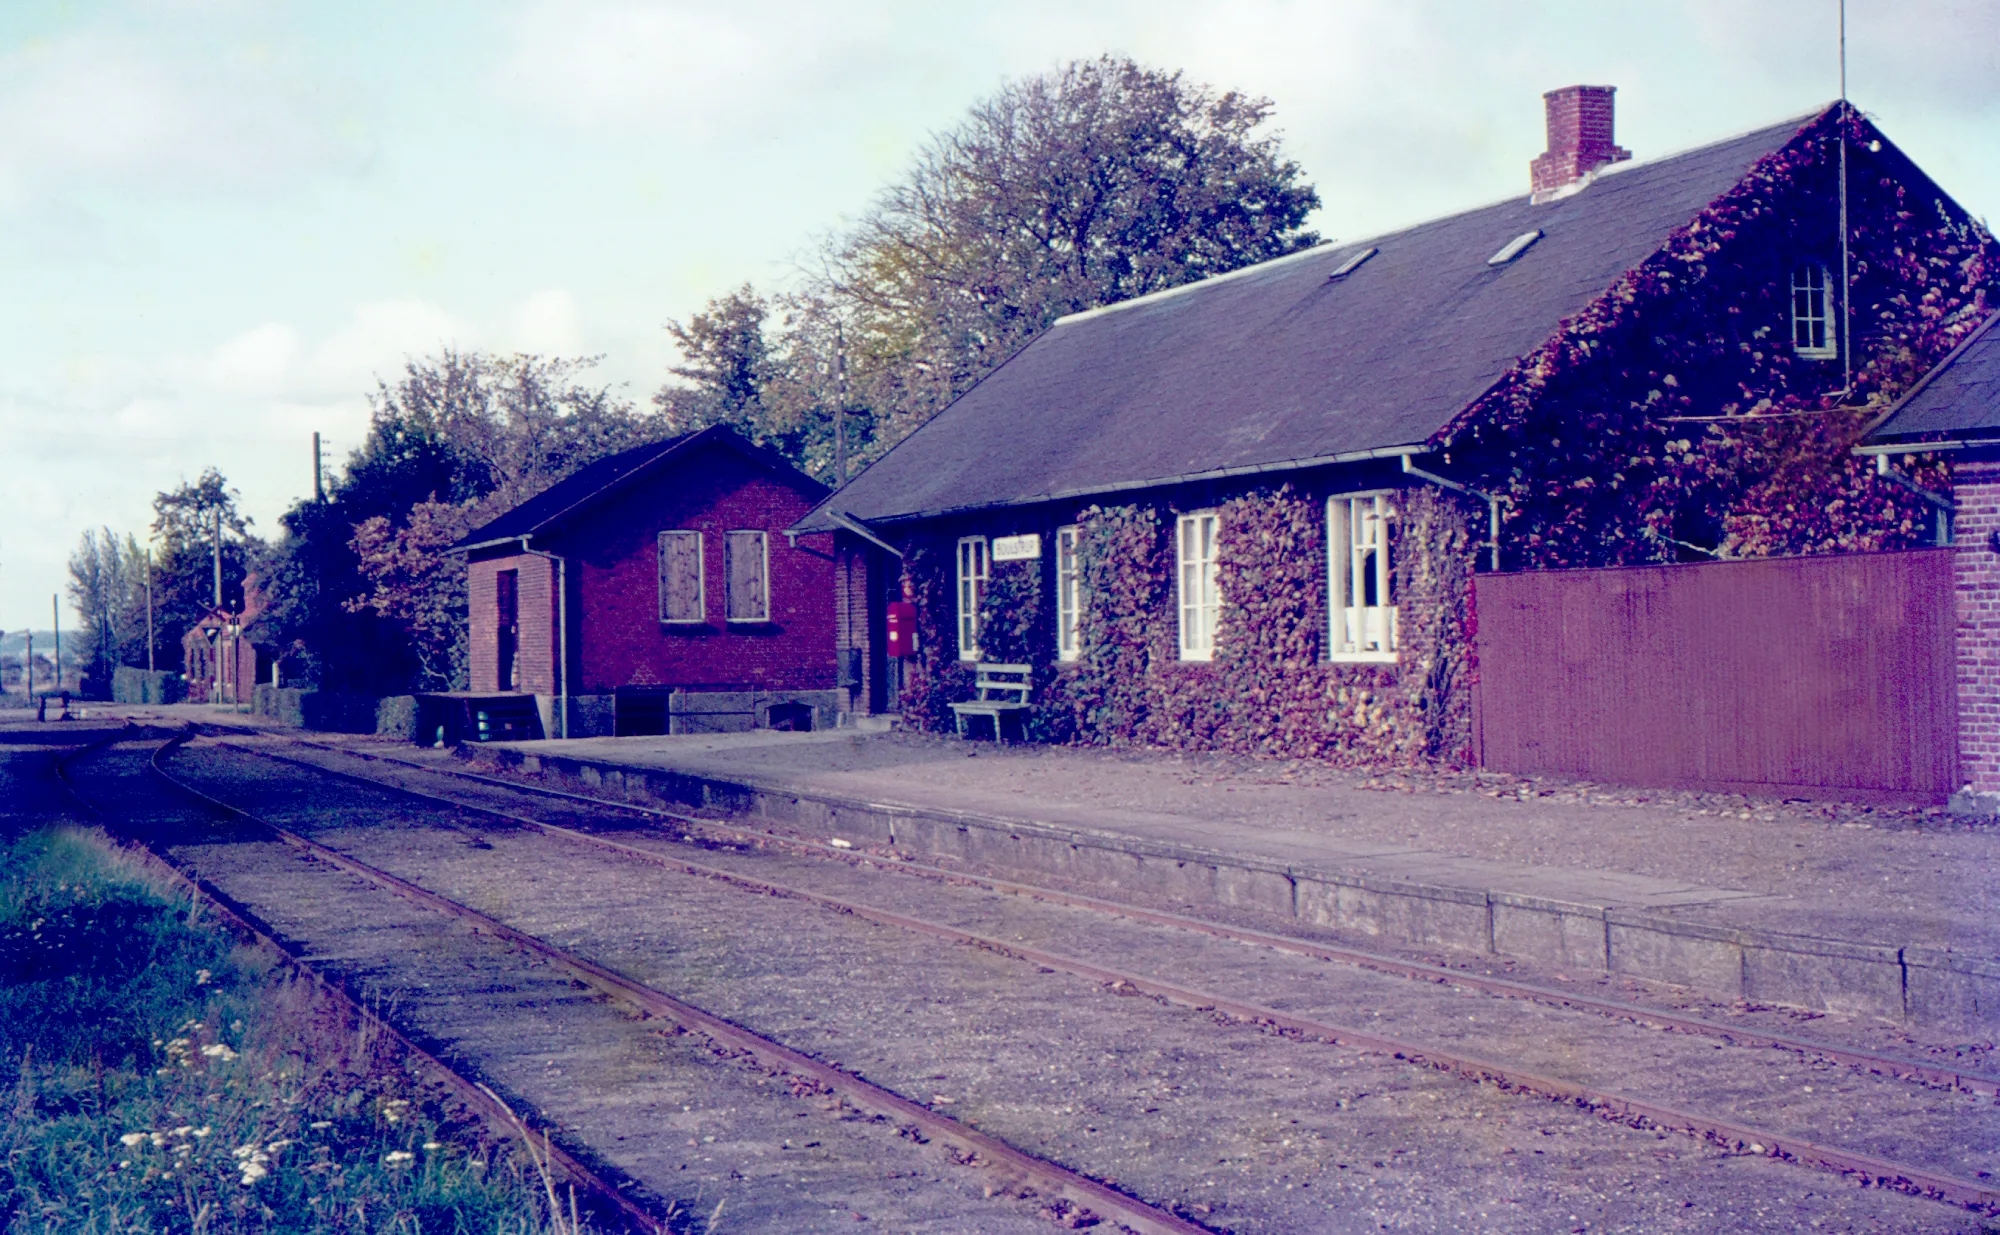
{"type": "Point", "coordinates": [681, 597]}
{"type": "Point", "coordinates": [1069, 596]}
{"type": "Point", "coordinates": [1201, 601]}
{"type": "Point", "coordinates": [749, 565]}
{"type": "Point", "coordinates": [1812, 313]}
{"type": "Point", "coordinates": [1361, 602]}
{"type": "Point", "coordinates": [972, 573]}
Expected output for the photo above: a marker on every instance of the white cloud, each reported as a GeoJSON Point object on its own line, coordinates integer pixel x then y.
{"type": "Point", "coordinates": [378, 337]}
{"type": "Point", "coordinates": [257, 361]}
{"type": "Point", "coordinates": [96, 107]}
{"type": "Point", "coordinates": [698, 68]}
{"type": "Point", "coordinates": [547, 322]}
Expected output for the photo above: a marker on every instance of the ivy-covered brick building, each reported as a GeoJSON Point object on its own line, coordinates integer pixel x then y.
{"type": "Point", "coordinates": [1245, 513]}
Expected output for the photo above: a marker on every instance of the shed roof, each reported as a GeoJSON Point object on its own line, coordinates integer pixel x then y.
{"type": "Point", "coordinates": [583, 487]}
{"type": "Point", "coordinates": [1285, 364]}
{"type": "Point", "coordinates": [1956, 402]}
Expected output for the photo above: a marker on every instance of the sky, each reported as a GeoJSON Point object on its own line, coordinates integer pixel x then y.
{"type": "Point", "coordinates": [221, 221]}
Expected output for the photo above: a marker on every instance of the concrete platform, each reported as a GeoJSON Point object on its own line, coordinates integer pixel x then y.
{"type": "Point", "coordinates": [1890, 913]}
{"type": "Point", "coordinates": [1879, 912]}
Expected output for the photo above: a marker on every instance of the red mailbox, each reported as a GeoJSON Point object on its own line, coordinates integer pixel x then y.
{"type": "Point", "coordinates": [902, 628]}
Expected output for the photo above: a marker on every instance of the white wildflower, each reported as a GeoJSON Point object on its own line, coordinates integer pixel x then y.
{"type": "Point", "coordinates": [201, 977]}
{"type": "Point", "coordinates": [218, 1050]}
{"type": "Point", "coordinates": [201, 1131]}
{"type": "Point", "coordinates": [317, 1124]}
{"type": "Point", "coordinates": [254, 1171]}
{"type": "Point", "coordinates": [433, 1144]}
{"type": "Point", "coordinates": [132, 1138]}
{"type": "Point", "coordinates": [397, 1157]}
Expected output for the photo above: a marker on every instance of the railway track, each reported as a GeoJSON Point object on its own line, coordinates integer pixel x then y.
{"type": "Point", "coordinates": [1884, 1063]}
{"type": "Point", "coordinates": [604, 1202]}
{"type": "Point", "coordinates": [1062, 1194]}
{"type": "Point", "coordinates": [1735, 1136]}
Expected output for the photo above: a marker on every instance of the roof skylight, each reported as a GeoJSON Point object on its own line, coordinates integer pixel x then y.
{"type": "Point", "coordinates": [1353, 263]}
{"type": "Point", "coordinates": [1514, 248]}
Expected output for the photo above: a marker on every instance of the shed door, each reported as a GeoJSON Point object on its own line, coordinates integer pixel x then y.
{"type": "Point", "coordinates": [507, 627]}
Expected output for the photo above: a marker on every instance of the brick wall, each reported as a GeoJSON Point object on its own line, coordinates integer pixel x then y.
{"type": "Point", "coordinates": [1977, 489]}
{"type": "Point", "coordinates": [616, 633]}
{"type": "Point", "coordinates": [535, 656]}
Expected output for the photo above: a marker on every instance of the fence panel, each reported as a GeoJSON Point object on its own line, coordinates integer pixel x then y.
{"type": "Point", "coordinates": [1811, 676]}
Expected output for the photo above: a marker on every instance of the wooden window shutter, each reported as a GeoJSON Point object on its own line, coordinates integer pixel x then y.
{"type": "Point", "coordinates": [749, 578]}
{"type": "Point", "coordinates": [680, 577]}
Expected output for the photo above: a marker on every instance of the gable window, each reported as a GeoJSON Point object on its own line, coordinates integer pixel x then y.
{"type": "Point", "coordinates": [749, 561]}
{"type": "Point", "coordinates": [1201, 601]}
{"type": "Point", "coordinates": [1069, 596]}
{"type": "Point", "coordinates": [1812, 318]}
{"type": "Point", "coordinates": [680, 577]}
{"type": "Point", "coordinates": [1360, 604]}
{"type": "Point", "coordinates": [972, 571]}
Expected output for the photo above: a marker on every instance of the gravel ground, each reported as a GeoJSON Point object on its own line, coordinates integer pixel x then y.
{"type": "Point", "coordinates": [723, 1144]}
{"type": "Point", "coordinates": [1250, 1132]}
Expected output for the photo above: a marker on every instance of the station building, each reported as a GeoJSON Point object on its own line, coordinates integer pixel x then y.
{"type": "Point", "coordinates": [1247, 513]}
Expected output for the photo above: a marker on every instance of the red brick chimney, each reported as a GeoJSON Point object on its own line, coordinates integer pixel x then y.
{"type": "Point", "coordinates": [1579, 139]}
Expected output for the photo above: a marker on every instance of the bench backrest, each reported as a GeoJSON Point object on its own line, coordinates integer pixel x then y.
{"type": "Point", "coordinates": [1004, 683]}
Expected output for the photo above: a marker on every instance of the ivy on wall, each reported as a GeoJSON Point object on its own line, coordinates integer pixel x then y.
{"type": "Point", "coordinates": [1270, 689]}
{"type": "Point", "coordinates": [1673, 419]}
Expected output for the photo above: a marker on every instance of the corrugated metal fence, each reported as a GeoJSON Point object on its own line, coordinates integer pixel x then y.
{"type": "Point", "coordinates": [1807, 676]}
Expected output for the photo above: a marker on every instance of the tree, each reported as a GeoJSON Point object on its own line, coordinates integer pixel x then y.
{"type": "Point", "coordinates": [185, 526]}
{"type": "Point", "coordinates": [1097, 182]}
{"type": "Point", "coordinates": [107, 588]}
{"type": "Point", "coordinates": [777, 383]}
{"type": "Point", "coordinates": [364, 590]}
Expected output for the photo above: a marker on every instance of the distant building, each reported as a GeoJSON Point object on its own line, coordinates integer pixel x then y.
{"type": "Point", "coordinates": [656, 591]}
{"type": "Point", "coordinates": [218, 659]}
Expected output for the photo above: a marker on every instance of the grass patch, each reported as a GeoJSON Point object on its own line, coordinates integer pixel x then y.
{"type": "Point", "coordinates": [157, 1077]}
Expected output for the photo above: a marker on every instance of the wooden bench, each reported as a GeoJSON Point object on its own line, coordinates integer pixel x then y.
{"type": "Point", "coordinates": [1001, 690]}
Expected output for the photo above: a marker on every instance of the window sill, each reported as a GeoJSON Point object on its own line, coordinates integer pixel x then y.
{"type": "Point", "coordinates": [1197, 658]}
{"type": "Point", "coordinates": [1364, 658]}
{"type": "Point", "coordinates": [762, 621]}
{"type": "Point", "coordinates": [1816, 353]}
{"type": "Point", "coordinates": [684, 623]}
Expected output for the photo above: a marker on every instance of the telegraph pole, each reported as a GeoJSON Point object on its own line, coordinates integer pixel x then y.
{"type": "Point", "coordinates": [840, 407]}
{"type": "Point", "coordinates": [218, 557]}
{"type": "Point", "coordinates": [55, 618]}
{"type": "Point", "coordinates": [319, 474]}
{"type": "Point", "coordinates": [149, 608]}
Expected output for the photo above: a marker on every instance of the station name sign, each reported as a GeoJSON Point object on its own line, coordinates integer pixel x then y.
{"type": "Point", "coordinates": [1017, 548]}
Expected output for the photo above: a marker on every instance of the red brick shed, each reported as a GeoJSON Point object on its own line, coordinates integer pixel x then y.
{"type": "Point", "coordinates": [664, 577]}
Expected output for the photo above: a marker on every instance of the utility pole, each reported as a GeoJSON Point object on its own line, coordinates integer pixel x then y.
{"type": "Point", "coordinates": [1846, 312]}
{"type": "Point", "coordinates": [840, 407]}
{"type": "Point", "coordinates": [149, 608]}
{"type": "Point", "coordinates": [319, 475]}
{"type": "Point", "coordinates": [28, 670]}
{"type": "Point", "coordinates": [55, 619]}
{"type": "Point", "coordinates": [218, 557]}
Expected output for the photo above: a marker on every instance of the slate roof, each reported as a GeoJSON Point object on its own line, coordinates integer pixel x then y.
{"type": "Point", "coordinates": [582, 487]}
{"type": "Point", "coordinates": [1277, 365]}
{"type": "Point", "coordinates": [1958, 400]}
